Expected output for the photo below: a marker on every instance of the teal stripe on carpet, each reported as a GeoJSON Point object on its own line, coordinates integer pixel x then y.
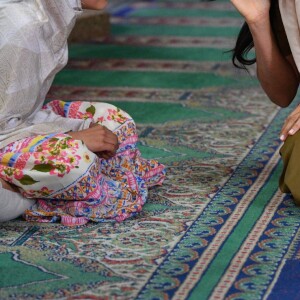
{"type": "Point", "coordinates": [179, 12]}
{"type": "Point", "coordinates": [165, 30]}
{"type": "Point", "coordinates": [142, 113]}
{"type": "Point", "coordinates": [141, 52]}
{"type": "Point", "coordinates": [221, 262]}
{"type": "Point", "coordinates": [141, 79]}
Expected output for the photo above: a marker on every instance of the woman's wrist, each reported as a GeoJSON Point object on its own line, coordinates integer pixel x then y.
{"type": "Point", "coordinates": [260, 29]}
{"type": "Point", "coordinates": [259, 23]}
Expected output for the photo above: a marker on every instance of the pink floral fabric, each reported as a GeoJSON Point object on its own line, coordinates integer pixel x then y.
{"type": "Point", "coordinates": [73, 185]}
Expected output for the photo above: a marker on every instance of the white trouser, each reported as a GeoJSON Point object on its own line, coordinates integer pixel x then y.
{"type": "Point", "coordinates": [12, 205]}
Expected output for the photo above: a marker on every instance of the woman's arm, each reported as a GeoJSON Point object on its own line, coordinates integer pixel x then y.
{"type": "Point", "coordinates": [278, 75]}
{"type": "Point", "coordinates": [93, 4]}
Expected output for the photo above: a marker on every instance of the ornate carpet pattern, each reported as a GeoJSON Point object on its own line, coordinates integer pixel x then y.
{"type": "Point", "coordinates": [218, 228]}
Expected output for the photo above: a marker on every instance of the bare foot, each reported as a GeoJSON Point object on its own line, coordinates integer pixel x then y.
{"type": "Point", "coordinates": [9, 186]}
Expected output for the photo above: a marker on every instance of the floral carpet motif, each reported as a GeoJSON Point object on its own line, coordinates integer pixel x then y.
{"type": "Point", "coordinates": [218, 228]}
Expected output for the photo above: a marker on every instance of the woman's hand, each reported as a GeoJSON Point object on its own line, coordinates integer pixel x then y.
{"type": "Point", "coordinates": [93, 4]}
{"type": "Point", "coordinates": [253, 10]}
{"type": "Point", "coordinates": [291, 124]}
{"type": "Point", "coordinates": [99, 140]}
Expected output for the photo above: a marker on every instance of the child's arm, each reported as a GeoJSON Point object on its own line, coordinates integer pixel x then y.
{"type": "Point", "coordinates": [93, 4]}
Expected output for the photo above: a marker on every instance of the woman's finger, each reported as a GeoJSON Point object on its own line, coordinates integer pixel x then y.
{"type": "Point", "coordinates": [105, 154]}
{"type": "Point", "coordinates": [111, 138]}
{"type": "Point", "coordinates": [291, 126]}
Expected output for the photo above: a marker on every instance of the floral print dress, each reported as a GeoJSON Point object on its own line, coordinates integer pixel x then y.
{"type": "Point", "coordinates": [72, 184]}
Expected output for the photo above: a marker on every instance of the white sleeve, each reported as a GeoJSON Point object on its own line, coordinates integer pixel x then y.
{"type": "Point", "coordinates": [12, 205]}
{"type": "Point", "coordinates": [48, 118]}
{"type": "Point", "coordinates": [290, 14]}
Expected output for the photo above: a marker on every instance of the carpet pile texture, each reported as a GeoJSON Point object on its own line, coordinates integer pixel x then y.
{"type": "Point", "coordinates": [218, 228]}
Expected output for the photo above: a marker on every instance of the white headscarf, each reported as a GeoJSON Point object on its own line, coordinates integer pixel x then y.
{"type": "Point", "coordinates": [33, 48]}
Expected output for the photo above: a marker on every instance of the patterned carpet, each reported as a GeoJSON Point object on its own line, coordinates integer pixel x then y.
{"type": "Point", "coordinates": [218, 228]}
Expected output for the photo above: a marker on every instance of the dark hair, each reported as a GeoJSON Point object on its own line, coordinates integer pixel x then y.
{"type": "Point", "coordinates": [243, 45]}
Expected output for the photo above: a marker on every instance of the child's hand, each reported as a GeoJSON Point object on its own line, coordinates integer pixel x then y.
{"type": "Point", "coordinates": [98, 139]}
{"type": "Point", "coordinates": [93, 4]}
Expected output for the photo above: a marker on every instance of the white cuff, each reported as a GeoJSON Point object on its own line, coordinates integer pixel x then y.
{"type": "Point", "coordinates": [12, 205]}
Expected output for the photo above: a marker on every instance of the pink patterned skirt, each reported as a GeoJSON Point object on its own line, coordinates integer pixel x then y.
{"type": "Point", "coordinates": [72, 184]}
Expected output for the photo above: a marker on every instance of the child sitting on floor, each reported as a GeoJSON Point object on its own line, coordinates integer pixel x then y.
{"type": "Point", "coordinates": [65, 161]}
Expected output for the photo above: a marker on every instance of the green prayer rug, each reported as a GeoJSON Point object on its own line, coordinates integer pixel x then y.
{"type": "Point", "coordinates": [218, 228]}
